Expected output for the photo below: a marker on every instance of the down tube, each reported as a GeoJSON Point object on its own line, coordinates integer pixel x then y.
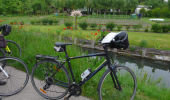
{"type": "Point", "coordinates": [93, 73]}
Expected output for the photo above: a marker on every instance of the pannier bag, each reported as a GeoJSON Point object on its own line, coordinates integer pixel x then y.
{"type": "Point", "coordinates": [2, 41]}
{"type": "Point", "coordinates": [116, 40]}
{"type": "Point", "coordinates": [6, 30]}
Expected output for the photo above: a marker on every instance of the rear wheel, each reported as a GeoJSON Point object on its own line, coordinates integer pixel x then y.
{"type": "Point", "coordinates": [128, 84]}
{"type": "Point", "coordinates": [55, 87]}
{"type": "Point", "coordinates": [18, 76]}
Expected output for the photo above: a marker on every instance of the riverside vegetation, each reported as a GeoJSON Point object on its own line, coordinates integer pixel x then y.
{"type": "Point", "coordinates": [35, 42]}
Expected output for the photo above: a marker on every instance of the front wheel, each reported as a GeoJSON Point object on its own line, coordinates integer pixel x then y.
{"type": "Point", "coordinates": [18, 76]}
{"type": "Point", "coordinates": [12, 49]}
{"type": "Point", "coordinates": [107, 90]}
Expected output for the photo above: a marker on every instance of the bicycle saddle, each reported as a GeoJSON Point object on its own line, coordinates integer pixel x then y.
{"type": "Point", "coordinates": [62, 44]}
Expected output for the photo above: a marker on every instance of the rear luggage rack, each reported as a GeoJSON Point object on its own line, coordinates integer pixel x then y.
{"type": "Point", "coordinates": [41, 57]}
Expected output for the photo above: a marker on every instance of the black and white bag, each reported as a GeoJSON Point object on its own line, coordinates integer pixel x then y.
{"type": "Point", "coordinates": [2, 41]}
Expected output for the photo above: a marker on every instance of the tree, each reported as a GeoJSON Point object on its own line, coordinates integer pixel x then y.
{"type": "Point", "coordinates": [105, 4]}
{"type": "Point", "coordinates": [96, 5]}
{"type": "Point", "coordinates": [120, 4]}
{"type": "Point", "coordinates": [154, 3]}
{"type": "Point", "coordinates": [28, 7]}
{"type": "Point", "coordinates": [132, 4]}
{"type": "Point", "coordinates": [59, 4]}
{"type": "Point", "coordinates": [168, 4]}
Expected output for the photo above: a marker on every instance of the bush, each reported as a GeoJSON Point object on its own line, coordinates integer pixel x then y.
{"type": "Point", "coordinates": [32, 22]}
{"type": "Point", "coordinates": [93, 25]}
{"type": "Point", "coordinates": [99, 26]}
{"type": "Point", "coordinates": [165, 28]}
{"type": "Point", "coordinates": [38, 22]}
{"type": "Point", "coordinates": [15, 22]}
{"type": "Point", "coordinates": [128, 27]}
{"type": "Point", "coordinates": [22, 22]}
{"type": "Point", "coordinates": [156, 28]}
{"type": "Point", "coordinates": [132, 49]}
{"type": "Point", "coordinates": [68, 23]}
{"type": "Point", "coordinates": [58, 32]}
{"type": "Point", "coordinates": [119, 27]}
{"type": "Point", "coordinates": [56, 21]}
{"type": "Point", "coordinates": [11, 22]}
{"type": "Point", "coordinates": [143, 43]}
{"type": "Point", "coordinates": [83, 25]}
{"type": "Point", "coordinates": [146, 30]}
{"type": "Point", "coordinates": [45, 21]}
{"type": "Point", "coordinates": [169, 27]}
{"type": "Point", "coordinates": [50, 22]}
{"type": "Point", "coordinates": [110, 26]}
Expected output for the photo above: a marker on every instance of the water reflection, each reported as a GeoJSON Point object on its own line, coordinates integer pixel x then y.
{"type": "Point", "coordinates": [154, 68]}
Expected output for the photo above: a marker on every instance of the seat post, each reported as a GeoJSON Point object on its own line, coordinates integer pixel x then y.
{"type": "Point", "coordinates": [106, 51]}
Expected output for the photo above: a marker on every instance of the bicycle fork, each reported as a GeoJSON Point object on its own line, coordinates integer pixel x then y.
{"type": "Point", "coordinates": [4, 72]}
{"type": "Point", "coordinates": [114, 77]}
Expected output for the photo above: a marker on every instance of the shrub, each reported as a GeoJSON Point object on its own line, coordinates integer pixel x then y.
{"type": "Point", "coordinates": [56, 21]}
{"type": "Point", "coordinates": [32, 22]}
{"type": "Point", "coordinates": [38, 21]}
{"type": "Point", "coordinates": [22, 22]}
{"type": "Point", "coordinates": [83, 25]}
{"type": "Point", "coordinates": [119, 27]}
{"type": "Point", "coordinates": [156, 27]}
{"type": "Point", "coordinates": [169, 27]}
{"type": "Point", "coordinates": [58, 32]}
{"type": "Point", "coordinates": [110, 26]}
{"type": "Point", "coordinates": [11, 22]}
{"type": "Point", "coordinates": [15, 22]}
{"type": "Point", "coordinates": [165, 28]}
{"type": "Point", "coordinates": [68, 23]}
{"type": "Point", "coordinates": [132, 49]}
{"type": "Point", "coordinates": [128, 27]}
{"type": "Point", "coordinates": [143, 43]}
{"type": "Point", "coordinates": [146, 30]}
{"type": "Point", "coordinates": [45, 21]}
{"type": "Point", "coordinates": [103, 32]}
{"type": "Point", "coordinates": [50, 22]}
{"type": "Point", "coordinates": [99, 26]}
{"type": "Point", "coordinates": [93, 25]}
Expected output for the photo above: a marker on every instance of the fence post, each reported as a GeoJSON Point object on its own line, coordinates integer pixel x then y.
{"type": "Point", "coordinates": [75, 41]}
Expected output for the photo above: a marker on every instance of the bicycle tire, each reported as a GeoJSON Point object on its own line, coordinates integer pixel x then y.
{"type": "Point", "coordinates": [14, 48]}
{"type": "Point", "coordinates": [62, 78]}
{"type": "Point", "coordinates": [105, 91]}
{"type": "Point", "coordinates": [18, 77]}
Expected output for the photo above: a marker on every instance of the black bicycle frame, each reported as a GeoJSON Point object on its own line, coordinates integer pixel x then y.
{"type": "Point", "coordinates": [106, 62]}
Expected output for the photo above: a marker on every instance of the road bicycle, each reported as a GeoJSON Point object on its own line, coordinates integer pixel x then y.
{"type": "Point", "coordinates": [12, 48]}
{"type": "Point", "coordinates": [15, 75]}
{"type": "Point", "coordinates": [51, 79]}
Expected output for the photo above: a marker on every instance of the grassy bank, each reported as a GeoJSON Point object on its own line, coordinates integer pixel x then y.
{"type": "Point", "coordinates": [35, 42]}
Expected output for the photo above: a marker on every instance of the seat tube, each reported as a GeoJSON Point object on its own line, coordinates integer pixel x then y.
{"type": "Point", "coordinates": [69, 64]}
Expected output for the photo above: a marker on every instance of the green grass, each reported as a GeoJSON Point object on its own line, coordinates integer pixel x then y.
{"type": "Point", "coordinates": [32, 43]}
{"type": "Point", "coordinates": [155, 40]}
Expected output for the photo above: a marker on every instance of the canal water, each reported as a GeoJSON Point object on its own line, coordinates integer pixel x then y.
{"type": "Point", "coordinates": [154, 68]}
